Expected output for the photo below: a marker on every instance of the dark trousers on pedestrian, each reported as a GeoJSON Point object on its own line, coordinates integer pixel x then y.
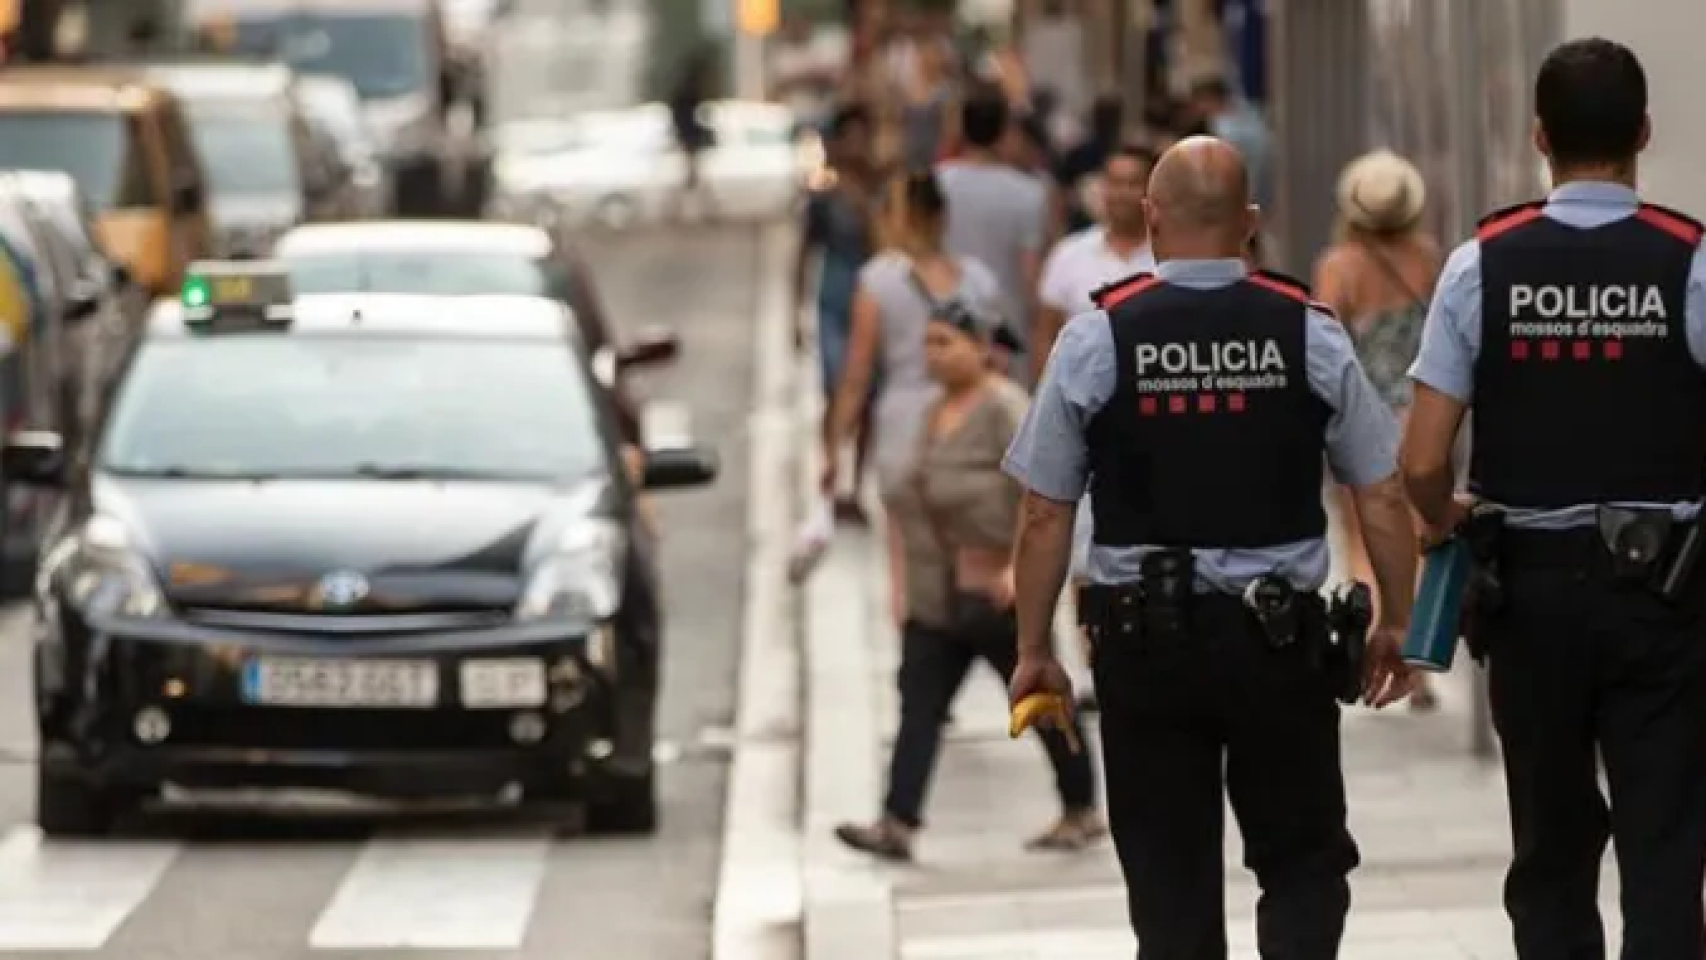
{"type": "Point", "coordinates": [1587, 672]}
{"type": "Point", "coordinates": [934, 662]}
{"type": "Point", "coordinates": [1188, 722]}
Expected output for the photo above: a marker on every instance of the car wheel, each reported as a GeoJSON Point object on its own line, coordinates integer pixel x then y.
{"type": "Point", "coordinates": [616, 213]}
{"type": "Point", "coordinates": [630, 808]}
{"type": "Point", "coordinates": [69, 806]}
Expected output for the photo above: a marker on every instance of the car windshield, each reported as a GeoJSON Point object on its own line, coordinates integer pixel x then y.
{"type": "Point", "coordinates": [93, 148]}
{"type": "Point", "coordinates": [245, 154]}
{"type": "Point", "coordinates": [436, 273]}
{"type": "Point", "coordinates": [385, 407]}
{"type": "Point", "coordinates": [382, 56]}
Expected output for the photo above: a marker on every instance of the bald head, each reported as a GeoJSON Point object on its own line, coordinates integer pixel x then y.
{"type": "Point", "coordinates": [1199, 197]}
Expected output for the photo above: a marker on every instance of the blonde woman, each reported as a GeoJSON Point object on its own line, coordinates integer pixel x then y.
{"type": "Point", "coordinates": [1378, 276]}
{"type": "Point", "coordinates": [897, 292]}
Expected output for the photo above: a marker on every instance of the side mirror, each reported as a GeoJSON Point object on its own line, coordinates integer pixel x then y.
{"type": "Point", "coordinates": [34, 457]}
{"type": "Point", "coordinates": [652, 346]}
{"type": "Point", "coordinates": [680, 467]}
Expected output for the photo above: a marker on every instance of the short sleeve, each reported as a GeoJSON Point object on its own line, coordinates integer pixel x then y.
{"type": "Point", "coordinates": [1362, 433]}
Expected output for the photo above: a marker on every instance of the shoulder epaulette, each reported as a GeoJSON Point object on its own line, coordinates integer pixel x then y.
{"type": "Point", "coordinates": [1280, 283]}
{"type": "Point", "coordinates": [1677, 224]}
{"type": "Point", "coordinates": [1110, 295]}
{"type": "Point", "coordinates": [1508, 218]}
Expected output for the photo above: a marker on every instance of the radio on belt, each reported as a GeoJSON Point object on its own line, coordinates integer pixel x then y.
{"type": "Point", "coordinates": [236, 296]}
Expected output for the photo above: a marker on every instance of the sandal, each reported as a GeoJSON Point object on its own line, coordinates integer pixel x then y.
{"type": "Point", "coordinates": [885, 839]}
{"type": "Point", "coordinates": [1071, 833]}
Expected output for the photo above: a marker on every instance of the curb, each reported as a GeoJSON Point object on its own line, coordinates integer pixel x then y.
{"type": "Point", "coordinates": [759, 901]}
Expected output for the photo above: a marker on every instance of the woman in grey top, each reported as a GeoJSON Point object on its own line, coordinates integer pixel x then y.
{"type": "Point", "coordinates": [897, 291]}
{"type": "Point", "coordinates": [957, 513]}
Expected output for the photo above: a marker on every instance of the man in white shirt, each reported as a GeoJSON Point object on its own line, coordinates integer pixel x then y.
{"type": "Point", "coordinates": [1116, 248]}
{"type": "Point", "coordinates": [1079, 265]}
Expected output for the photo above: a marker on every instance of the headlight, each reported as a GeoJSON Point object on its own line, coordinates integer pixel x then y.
{"type": "Point", "coordinates": [104, 573]}
{"type": "Point", "coordinates": [581, 578]}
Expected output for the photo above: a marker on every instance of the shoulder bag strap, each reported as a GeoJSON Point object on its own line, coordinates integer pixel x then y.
{"type": "Point", "coordinates": [1392, 272]}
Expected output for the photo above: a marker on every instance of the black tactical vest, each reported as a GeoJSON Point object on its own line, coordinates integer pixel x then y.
{"type": "Point", "coordinates": [1585, 390]}
{"type": "Point", "coordinates": [1213, 437]}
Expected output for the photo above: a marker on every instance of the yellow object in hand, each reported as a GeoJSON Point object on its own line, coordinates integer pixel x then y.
{"type": "Point", "coordinates": [1047, 709]}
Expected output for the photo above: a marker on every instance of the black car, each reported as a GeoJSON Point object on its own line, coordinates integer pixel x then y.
{"type": "Point", "coordinates": [375, 544]}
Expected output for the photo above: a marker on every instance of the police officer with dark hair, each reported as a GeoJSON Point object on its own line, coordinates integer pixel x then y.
{"type": "Point", "coordinates": [1198, 406]}
{"type": "Point", "coordinates": [1575, 328]}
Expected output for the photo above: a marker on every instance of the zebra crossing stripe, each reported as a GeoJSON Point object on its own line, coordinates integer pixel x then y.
{"type": "Point", "coordinates": [436, 894]}
{"type": "Point", "coordinates": [73, 896]}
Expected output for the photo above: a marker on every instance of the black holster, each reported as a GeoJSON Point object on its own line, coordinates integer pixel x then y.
{"type": "Point", "coordinates": [1155, 610]}
{"type": "Point", "coordinates": [1484, 594]}
{"type": "Point", "coordinates": [1350, 613]}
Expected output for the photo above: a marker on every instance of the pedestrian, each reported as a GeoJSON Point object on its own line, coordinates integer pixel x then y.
{"type": "Point", "coordinates": [693, 134]}
{"type": "Point", "coordinates": [1378, 276]}
{"type": "Point", "coordinates": [1574, 329]}
{"type": "Point", "coordinates": [1217, 109]}
{"type": "Point", "coordinates": [1077, 267]}
{"type": "Point", "coordinates": [805, 68]}
{"type": "Point", "coordinates": [897, 291]}
{"type": "Point", "coordinates": [957, 513]}
{"type": "Point", "coordinates": [1199, 406]}
{"type": "Point", "coordinates": [997, 214]}
{"type": "Point", "coordinates": [1079, 165]}
{"type": "Point", "coordinates": [837, 234]}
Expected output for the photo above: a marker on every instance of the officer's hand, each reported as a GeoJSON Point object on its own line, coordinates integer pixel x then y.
{"type": "Point", "coordinates": [1035, 674]}
{"type": "Point", "coordinates": [1455, 515]}
{"type": "Point", "coordinates": [1386, 678]}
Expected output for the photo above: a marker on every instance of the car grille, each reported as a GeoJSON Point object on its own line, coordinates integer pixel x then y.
{"type": "Point", "coordinates": [392, 730]}
{"type": "Point", "coordinates": [430, 621]}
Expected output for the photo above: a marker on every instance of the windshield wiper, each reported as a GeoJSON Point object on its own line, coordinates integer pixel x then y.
{"type": "Point", "coordinates": [187, 473]}
{"type": "Point", "coordinates": [381, 471]}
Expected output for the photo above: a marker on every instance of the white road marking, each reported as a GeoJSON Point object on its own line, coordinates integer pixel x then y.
{"type": "Point", "coordinates": [72, 896]}
{"type": "Point", "coordinates": [418, 894]}
{"type": "Point", "coordinates": [666, 425]}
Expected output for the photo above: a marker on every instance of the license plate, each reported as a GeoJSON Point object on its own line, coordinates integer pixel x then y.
{"type": "Point", "coordinates": [341, 683]}
{"type": "Point", "coordinates": [489, 684]}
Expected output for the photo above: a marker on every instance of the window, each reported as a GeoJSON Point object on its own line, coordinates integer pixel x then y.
{"type": "Point", "coordinates": [382, 56]}
{"type": "Point", "coordinates": [102, 152]}
{"type": "Point", "coordinates": [245, 154]}
{"type": "Point", "coordinates": [301, 406]}
{"type": "Point", "coordinates": [435, 273]}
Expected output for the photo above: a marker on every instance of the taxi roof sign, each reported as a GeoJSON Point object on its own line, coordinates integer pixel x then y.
{"type": "Point", "coordinates": [234, 296]}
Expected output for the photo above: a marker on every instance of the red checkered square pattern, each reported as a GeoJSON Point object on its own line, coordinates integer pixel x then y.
{"type": "Point", "coordinates": [1578, 350]}
{"type": "Point", "coordinates": [1176, 403]}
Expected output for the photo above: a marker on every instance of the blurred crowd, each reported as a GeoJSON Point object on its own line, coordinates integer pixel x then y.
{"type": "Point", "coordinates": [977, 197]}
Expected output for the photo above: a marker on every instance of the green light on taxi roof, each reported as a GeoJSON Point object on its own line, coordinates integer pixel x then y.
{"type": "Point", "coordinates": [196, 292]}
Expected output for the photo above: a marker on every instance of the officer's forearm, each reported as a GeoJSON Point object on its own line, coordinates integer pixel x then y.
{"type": "Point", "coordinates": [1040, 558]}
{"type": "Point", "coordinates": [1390, 536]}
{"type": "Point", "coordinates": [1430, 490]}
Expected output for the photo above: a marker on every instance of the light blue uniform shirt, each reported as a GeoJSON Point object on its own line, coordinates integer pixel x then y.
{"type": "Point", "coordinates": [1050, 455]}
{"type": "Point", "coordinates": [1451, 338]}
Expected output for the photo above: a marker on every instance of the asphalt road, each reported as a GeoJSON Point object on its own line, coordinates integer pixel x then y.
{"type": "Point", "coordinates": [465, 886]}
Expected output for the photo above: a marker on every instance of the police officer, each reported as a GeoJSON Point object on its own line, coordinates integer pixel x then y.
{"type": "Point", "coordinates": [1576, 328]}
{"type": "Point", "coordinates": [1196, 406]}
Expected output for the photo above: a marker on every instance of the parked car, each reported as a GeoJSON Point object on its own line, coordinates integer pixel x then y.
{"type": "Point", "coordinates": [621, 167]}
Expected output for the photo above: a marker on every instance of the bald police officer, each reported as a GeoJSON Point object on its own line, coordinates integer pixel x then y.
{"type": "Point", "coordinates": [1576, 328]}
{"type": "Point", "coordinates": [1196, 405]}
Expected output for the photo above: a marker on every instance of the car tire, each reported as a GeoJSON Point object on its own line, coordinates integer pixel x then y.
{"type": "Point", "coordinates": [629, 809]}
{"type": "Point", "coordinates": [69, 806]}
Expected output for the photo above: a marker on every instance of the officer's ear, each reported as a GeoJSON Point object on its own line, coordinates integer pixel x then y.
{"type": "Point", "coordinates": [1646, 133]}
{"type": "Point", "coordinates": [1252, 223]}
{"type": "Point", "coordinates": [1543, 145]}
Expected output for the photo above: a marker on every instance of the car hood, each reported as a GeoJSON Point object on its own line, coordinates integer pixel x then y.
{"type": "Point", "coordinates": [421, 546]}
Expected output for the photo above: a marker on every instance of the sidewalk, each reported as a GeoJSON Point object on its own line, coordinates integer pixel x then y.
{"type": "Point", "coordinates": [1429, 819]}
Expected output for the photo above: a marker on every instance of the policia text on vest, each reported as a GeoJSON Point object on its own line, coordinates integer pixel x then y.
{"type": "Point", "coordinates": [1218, 666]}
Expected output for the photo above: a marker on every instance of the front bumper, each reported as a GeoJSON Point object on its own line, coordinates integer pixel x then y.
{"type": "Point", "coordinates": [215, 736]}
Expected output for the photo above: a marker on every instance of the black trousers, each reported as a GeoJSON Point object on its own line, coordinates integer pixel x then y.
{"type": "Point", "coordinates": [933, 665]}
{"type": "Point", "coordinates": [1189, 723]}
{"type": "Point", "coordinates": [1584, 672]}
